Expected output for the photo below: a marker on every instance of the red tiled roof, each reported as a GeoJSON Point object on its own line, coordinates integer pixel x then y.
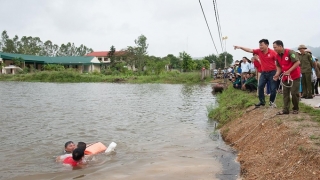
{"type": "Point", "coordinates": [105, 53]}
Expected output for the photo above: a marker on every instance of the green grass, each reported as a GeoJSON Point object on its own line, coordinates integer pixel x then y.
{"type": "Point", "coordinates": [313, 137]}
{"type": "Point", "coordinates": [315, 114]}
{"type": "Point", "coordinates": [232, 103]}
{"type": "Point", "coordinates": [173, 77]}
{"type": "Point", "coordinates": [301, 148]}
{"type": "Point", "coordinates": [298, 119]}
{"type": "Point", "coordinates": [279, 121]}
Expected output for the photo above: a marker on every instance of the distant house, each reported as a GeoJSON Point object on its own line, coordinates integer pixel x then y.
{"type": "Point", "coordinates": [81, 63]}
{"type": "Point", "coordinates": [103, 57]}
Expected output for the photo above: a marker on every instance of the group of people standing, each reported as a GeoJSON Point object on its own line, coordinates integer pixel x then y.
{"type": "Point", "coordinates": [289, 67]}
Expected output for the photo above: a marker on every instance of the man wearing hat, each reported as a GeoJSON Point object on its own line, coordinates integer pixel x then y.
{"type": "Point", "coordinates": [306, 71]}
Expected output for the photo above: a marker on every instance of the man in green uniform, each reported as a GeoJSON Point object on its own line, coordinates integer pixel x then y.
{"type": "Point", "coordinates": [306, 70]}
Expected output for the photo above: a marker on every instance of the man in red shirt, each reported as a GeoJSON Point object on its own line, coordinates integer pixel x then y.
{"type": "Point", "coordinates": [76, 158]}
{"type": "Point", "coordinates": [288, 64]}
{"type": "Point", "coordinates": [268, 70]}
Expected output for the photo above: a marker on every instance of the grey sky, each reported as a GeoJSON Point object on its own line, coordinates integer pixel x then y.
{"type": "Point", "coordinates": [171, 26]}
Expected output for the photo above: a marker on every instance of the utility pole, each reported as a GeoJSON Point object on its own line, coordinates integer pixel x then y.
{"type": "Point", "coordinates": [225, 58]}
{"type": "Point", "coordinates": [225, 50]}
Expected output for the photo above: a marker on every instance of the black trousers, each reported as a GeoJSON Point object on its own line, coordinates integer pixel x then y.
{"type": "Point", "coordinates": [316, 85]}
{"type": "Point", "coordinates": [251, 87]}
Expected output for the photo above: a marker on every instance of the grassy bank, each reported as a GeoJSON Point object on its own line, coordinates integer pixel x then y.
{"type": "Point", "coordinates": [173, 77]}
{"type": "Point", "coordinates": [233, 103]}
{"type": "Point", "coordinates": [269, 146]}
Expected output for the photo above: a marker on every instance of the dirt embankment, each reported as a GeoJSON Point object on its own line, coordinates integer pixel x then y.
{"type": "Point", "coordinates": [275, 147]}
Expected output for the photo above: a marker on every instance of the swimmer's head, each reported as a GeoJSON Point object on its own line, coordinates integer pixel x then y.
{"type": "Point", "coordinates": [69, 146]}
{"type": "Point", "coordinates": [82, 145]}
{"type": "Point", "coordinates": [77, 154]}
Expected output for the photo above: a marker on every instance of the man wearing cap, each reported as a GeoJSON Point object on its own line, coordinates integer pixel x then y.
{"type": "Point", "coordinates": [288, 64]}
{"type": "Point", "coordinates": [306, 70]}
{"type": "Point", "coordinates": [268, 70]}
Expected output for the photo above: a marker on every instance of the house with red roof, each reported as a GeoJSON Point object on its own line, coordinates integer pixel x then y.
{"type": "Point", "coordinates": [102, 56]}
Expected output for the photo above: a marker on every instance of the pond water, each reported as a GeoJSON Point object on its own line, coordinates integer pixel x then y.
{"type": "Point", "coordinates": [161, 131]}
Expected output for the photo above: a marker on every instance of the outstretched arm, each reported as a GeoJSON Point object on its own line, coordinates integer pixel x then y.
{"type": "Point", "coordinates": [243, 48]}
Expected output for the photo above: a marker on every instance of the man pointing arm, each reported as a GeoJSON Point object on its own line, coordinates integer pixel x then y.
{"type": "Point", "coordinates": [268, 67]}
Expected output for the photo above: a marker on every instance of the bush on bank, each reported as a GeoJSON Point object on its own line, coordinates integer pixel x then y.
{"type": "Point", "coordinates": [69, 75]}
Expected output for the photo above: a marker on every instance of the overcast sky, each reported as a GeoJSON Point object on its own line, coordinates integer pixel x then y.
{"type": "Point", "coordinates": [171, 26]}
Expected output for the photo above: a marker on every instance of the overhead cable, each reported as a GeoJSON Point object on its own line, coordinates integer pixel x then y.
{"type": "Point", "coordinates": [208, 27]}
{"type": "Point", "coordinates": [215, 6]}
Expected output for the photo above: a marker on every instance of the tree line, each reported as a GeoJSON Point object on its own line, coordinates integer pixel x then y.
{"type": "Point", "coordinates": [138, 56]}
{"type": "Point", "coordinates": [35, 46]}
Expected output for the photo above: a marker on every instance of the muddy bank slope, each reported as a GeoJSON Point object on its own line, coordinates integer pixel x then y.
{"type": "Point", "coordinates": [270, 146]}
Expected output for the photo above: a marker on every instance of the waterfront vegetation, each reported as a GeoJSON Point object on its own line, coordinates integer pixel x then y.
{"type": "Point", "coordinates": [148, 68]}
{"type": "Point", "coordinates": [70, 75]}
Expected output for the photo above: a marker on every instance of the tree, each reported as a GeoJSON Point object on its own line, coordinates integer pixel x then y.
{"type": "Point", "coordinates": [175, 63]}
{"type": "Point", "coordinates": [211, 58]}
{"type": "Point", "coordinates": [30, 45]}
{"type": "Point", "coordinates": [17, 61]}
{"type": "Point", "coordinates": [111, 55]}
{"type": "Point", "coordinates": [219, 61]}
{"type": "Point", "coordinates": [67, 50]}
{"type": "Point", "coordinates": [8, 45]}
{"type": "Point", "coordinates": [49, 49]}
{"type": "Point", "coordinates": [141, 51]}
{"type": "Point", "coordinates": [202, 64]}
{"type": "Point", "coordinates": [187, 62]}
{"type": "Point", "coordinates": [206, 63]}
{"type": "Point", "coordinates": [83, 50]}
{"type": "Point", "coordinates": [155, 64]}
{"type": "Point", "coordinates": [229, 59]}
{"type": "Point", "coordinates": [46, 49]}
{"type": "Point", "coordinates": [199, 64]}
{"type": "Point", "coordinates": [34, 46]}
{"type": "Point", "coordinates": [131, 56]}
{"type": "Point", "coordinates": [63, 50]}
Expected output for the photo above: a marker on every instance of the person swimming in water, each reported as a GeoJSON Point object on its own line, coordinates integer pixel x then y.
{"type": "Point", "coordinates": [75, 159]}
{"type": "Point", "coordinates": [82, 145]}
{"type": "Point", "coordinates": [68, 149]}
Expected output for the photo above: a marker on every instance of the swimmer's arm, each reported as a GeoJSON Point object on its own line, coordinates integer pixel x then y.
{"type": "Point", "coordinates": [62, 157]}
{"type": "Point", "coordinates": [58, 159]}
{"type": "Point", "coordinates": [88, 157]}
{"type": "Point", "coordinates": [81, 165]}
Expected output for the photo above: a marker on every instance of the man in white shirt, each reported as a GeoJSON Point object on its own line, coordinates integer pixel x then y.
{"type": "Point", "coordinates": [245, 65]}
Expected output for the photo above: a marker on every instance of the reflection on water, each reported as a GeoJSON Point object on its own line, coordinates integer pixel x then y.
{"type": "Point", "coordinates": [161, 130]}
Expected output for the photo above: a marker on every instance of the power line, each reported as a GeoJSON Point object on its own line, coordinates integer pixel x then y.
{"type": "Point", "coordinates": [208, 27]}
{"type": "Point", "coordinates": [215, 6]}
